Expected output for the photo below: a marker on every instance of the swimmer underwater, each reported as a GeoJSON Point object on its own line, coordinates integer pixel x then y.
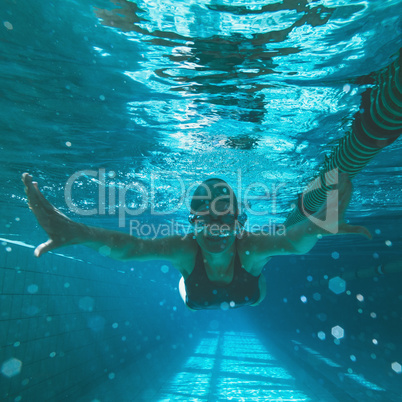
{"type": "Point", "coordinates": [217, 263]}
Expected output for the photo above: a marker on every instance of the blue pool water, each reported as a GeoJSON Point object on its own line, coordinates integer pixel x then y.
{"type": "Point", "coordinates": [128, 104]}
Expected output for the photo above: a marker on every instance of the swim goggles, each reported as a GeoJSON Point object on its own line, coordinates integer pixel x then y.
{"type": "Point", "coordinates": [227, 219]}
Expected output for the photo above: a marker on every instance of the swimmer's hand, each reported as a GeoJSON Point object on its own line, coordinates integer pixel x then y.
{"type": "Point", "coordinates": [62, 231]}
{"type": "Point", "coordinates": [330, 219]}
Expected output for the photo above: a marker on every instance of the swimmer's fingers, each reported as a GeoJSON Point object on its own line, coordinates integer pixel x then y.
{"type": "Point", "coordinates": [352, 229]}
{"type": "Point", "coordinates": [40, 206]}
{"type": "Point", "coordinates": [45, 247]}
{"type": "Point", "coordinates": [35, 198]}
{"type": "Point", "coordinates": [60, 229]}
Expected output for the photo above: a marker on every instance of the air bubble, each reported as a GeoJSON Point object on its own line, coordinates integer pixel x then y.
{"type": "Point", "coordinates": [86, 303]}
{"type": "Point", "coordinates": [337, 285]}
{"type": "Point", "coordinates": [32, 289]}
{"type": "Point", "coordinates": [11, 367]}
{"type": "Point", "coordinates": [8, 25]}
{"type": "Point", "coordinates": [105, 251]}
{"type": "Point", "coordinates": [335, 255]}
{"type": "Point", "coordinates": [396, 367]}
{"type": "Point", "coordinates": [316, 296]}
{"type": "Point", "coordinates": [337, 332]}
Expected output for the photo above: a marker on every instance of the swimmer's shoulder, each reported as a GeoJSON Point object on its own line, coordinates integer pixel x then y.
{"type": "Point", "coordinates": [185, 253]}
{"type": "Point", "coordinates": [249, 249]}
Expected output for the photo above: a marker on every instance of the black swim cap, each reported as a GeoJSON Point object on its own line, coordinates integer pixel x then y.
{"type": "Point", "coordinates": [211, 191]}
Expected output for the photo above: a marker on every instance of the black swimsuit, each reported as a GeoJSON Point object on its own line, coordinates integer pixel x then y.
{"type": "Point", "coordinates": [202, 293]}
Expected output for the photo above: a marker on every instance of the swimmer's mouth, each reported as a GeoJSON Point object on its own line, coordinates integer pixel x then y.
{"type": "Point", "coordinates": [215, 236]}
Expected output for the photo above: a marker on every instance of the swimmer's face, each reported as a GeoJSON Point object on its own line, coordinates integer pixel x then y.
{"type": "Point", "coordinates": [214, 227]}
{"type": "Point", "coordinates": [214, 215]}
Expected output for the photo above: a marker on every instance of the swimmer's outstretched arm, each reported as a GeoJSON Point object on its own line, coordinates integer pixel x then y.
{"type": "Point", "coordinates": [302, 237]}
{"type": "Point", "coordinates": [63, 231]}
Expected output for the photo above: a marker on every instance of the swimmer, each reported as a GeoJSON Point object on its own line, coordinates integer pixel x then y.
{"type": "Point", "coordinates": [221, 264]}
